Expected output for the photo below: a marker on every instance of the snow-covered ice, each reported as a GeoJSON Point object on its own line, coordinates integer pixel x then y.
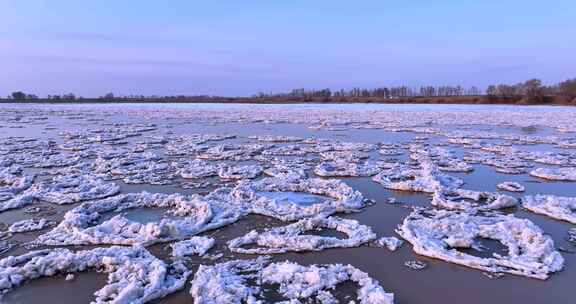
{"type": "Point", "coordinates": [469, 200]}
{"type": "Point", "coordinates": [559, 174]}
{"type": "Point", "coordinates": [134, 275]}
{"type": "Point", "coordinates": [438, 234]}
{"type": "Point", "coordinates": [293, 237]}
{"type": "Point", "coordinates": [558, 207]}
{"type": "Point", "coordinates": [196, 245]}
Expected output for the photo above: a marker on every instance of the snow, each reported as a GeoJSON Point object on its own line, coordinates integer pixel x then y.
{"type": "Point", "coordinates": [32, 224]}
{"type": "Point", "coordinates": [343, 168]}
{"type": "Point", "coordinates": [314, 282]}
{"type": "Point", "coordinates": [72, 189]}
{"type": "Point", "coordinates": [426, 179]}
{"type": "Point", "coordinates": [471, 201]}
{"type": "Point", "coordinates": [229, 282]}
{"type": "Point", "coordinates": [293, 238]}
{"type": "Point", "coordinates": [391, 243]}
{"type": "Point", "coordinates": [287, 205]}
{"type": "Point", "coordinates": [511, 186]}
{"type": "Point", "coordinates": [557, 207]}
{"type": "Point", "coordinates": [558, 174]}
{"type": "Point", "coordinates": [196, 245]}
{"type": "Point", "coordinates": [191, 215]}
{"type": "Point", "coordinates": [240, 172]}
{"type": "Point", "coordinates": [134, 275]}
{"type": "Point", "coordinates": [436, 234]}
{"type": "Point", "coordinates": [286, 172]}
{"type": "Point", "coordinates": [198, 169]}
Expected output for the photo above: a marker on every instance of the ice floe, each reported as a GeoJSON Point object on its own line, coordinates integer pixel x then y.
{"type": "Point", "coordinates": [461, 199]}
{"type": "Point", "coordinates": [425, 179]}
{"type": "Point", "coordinates": [558, 207]}
{"type": "Point", "coordinates": [293, 237]}
{"type": "Point", "coordinates": [511, 186]}
{"type": "Point", "coordinates": [391, 243]}
{"type": "Point", "coordinates": [190, 215]}
{"type": "Point", "coordinates": [196, 245]}
{"type": "Point", "coordinates": [32, 224]}
{"type": "Point", "coordinates": [134, 275]}
{"type": "Point", "coordinates": [559, 174]}
{"type": "Point", "coordinates": [198, 169]}
{"type": "Point", "coordinates": [343, 169]}
{"type": "Point", "coordinates": [314, 282]}
{"type": "Point", "coordinates": [229, 282]}
{"type": "Point", "coordinates": [240, 172]}
{"type": "Point", "coordinates": [439, 233]}
{"type": "Point", "coordinates": [73, 189]}
{"type": "Point", "coordinates": [292, 199]}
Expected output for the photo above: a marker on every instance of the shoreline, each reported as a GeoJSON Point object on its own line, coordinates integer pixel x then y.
{"type": "Point", "coordinates": [460, 100]}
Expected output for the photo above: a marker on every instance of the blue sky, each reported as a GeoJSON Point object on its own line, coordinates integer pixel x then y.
{"type": "Point", "coordinates": [240, 47]}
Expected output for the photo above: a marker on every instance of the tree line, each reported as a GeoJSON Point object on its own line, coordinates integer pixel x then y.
{"type": "Point", "coordinates": [530, 91]}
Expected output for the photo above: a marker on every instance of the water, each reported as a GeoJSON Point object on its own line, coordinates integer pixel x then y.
{"type": "Point", "coordinates": [303, 199]}
{"type": "Point", "coordinates": [440, 282]}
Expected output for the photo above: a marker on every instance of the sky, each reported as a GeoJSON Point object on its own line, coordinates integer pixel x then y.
{"type": "Point", "coordinates": [241, 47]}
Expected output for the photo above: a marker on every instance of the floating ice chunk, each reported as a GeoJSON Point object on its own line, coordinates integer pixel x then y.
{"type": "Point", "coordinates": [192, 215]}
{"type": "Point", "coordinates": [17, 201]}
{"type": "Point", "coordinates": [415, 265]}
{"type": "Point", "coordinates": [572, 235]}
{"type": "Point", "coordinates": [460, 199]}
{"type": "Point", "coordinates": [227, 283]}
{"type": "Point", "coordinates": [69, 277]}
{"type": "Point", "coordinates": [426, 179]}
{"type": "Point", "coordinates": [343, 156]}
{"type": "Point", "coordinates": [240, 172]}
{"type": "Point", "coordinates": [16, 190]}
{"type": "Point", "coordinates": [560, 174]}
{"type": "Point", "coordinates": [12, 184]}
{"type": "Point", "coordinates": [30, 225]}
{"type": "Point", "coordinates": [232, 152]}
{"type": "Point", "coordinates": [392, 243]}
{"type": "Point", "coordinates": [57, 160]}
{"type": "Point", "coordinates": [198, 169]}
{"type": "Point", "coordinates": [276, 138]}
{"type": "Point", "coordinates": [511, 186]}
{"type": "Point", "coordinates": [292, 199]}
{"type": "Point", "coordinates": [134, 275]}
{"type": "Point", "coordinates": [454, 165]}
{"type": "Point", "coordinates": [390, 151]}
{"type": "Point", "coordinates": [341, 168]}
{"type": "Point", "coordinates": [436, 233]}
{"type": "Point", "coordinates": [195, 245]}
{"type": "Point", "coordinates": [511, 170]}
{"type": "Point", "coordinates": [76, 188]}
{"type": "Point", "coordinates": [558, 207]}
{"type": "Point", "coordinates": [292, 237]}
{"type": "Point", "coordinates": [314, 282]}
{"type": "Point", "coordinates": [286, 150]}
{"type": "Point", "coordinates": [284, 171]}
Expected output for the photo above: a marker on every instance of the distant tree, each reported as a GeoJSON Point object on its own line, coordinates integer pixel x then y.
{"type": "Point", "coordinates": [567, 88]}
{"type": "Point", "coordinates": [491, 91]}
{"type": "Point", "coordinates": [109, 96]}
{"type": "Point", "coordinates": [69, 96]}
{"type": "Point", "coordinates": [532, 91]}
{"type": "Point", "coordinates": [18, 95]}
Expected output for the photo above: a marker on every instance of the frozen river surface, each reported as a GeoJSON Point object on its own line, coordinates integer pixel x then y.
{"type": "Point", "coordinates": [176, 203]}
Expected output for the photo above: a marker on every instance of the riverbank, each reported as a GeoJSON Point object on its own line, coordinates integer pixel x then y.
{"type": "Point", "coordinates": [550, 100]}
